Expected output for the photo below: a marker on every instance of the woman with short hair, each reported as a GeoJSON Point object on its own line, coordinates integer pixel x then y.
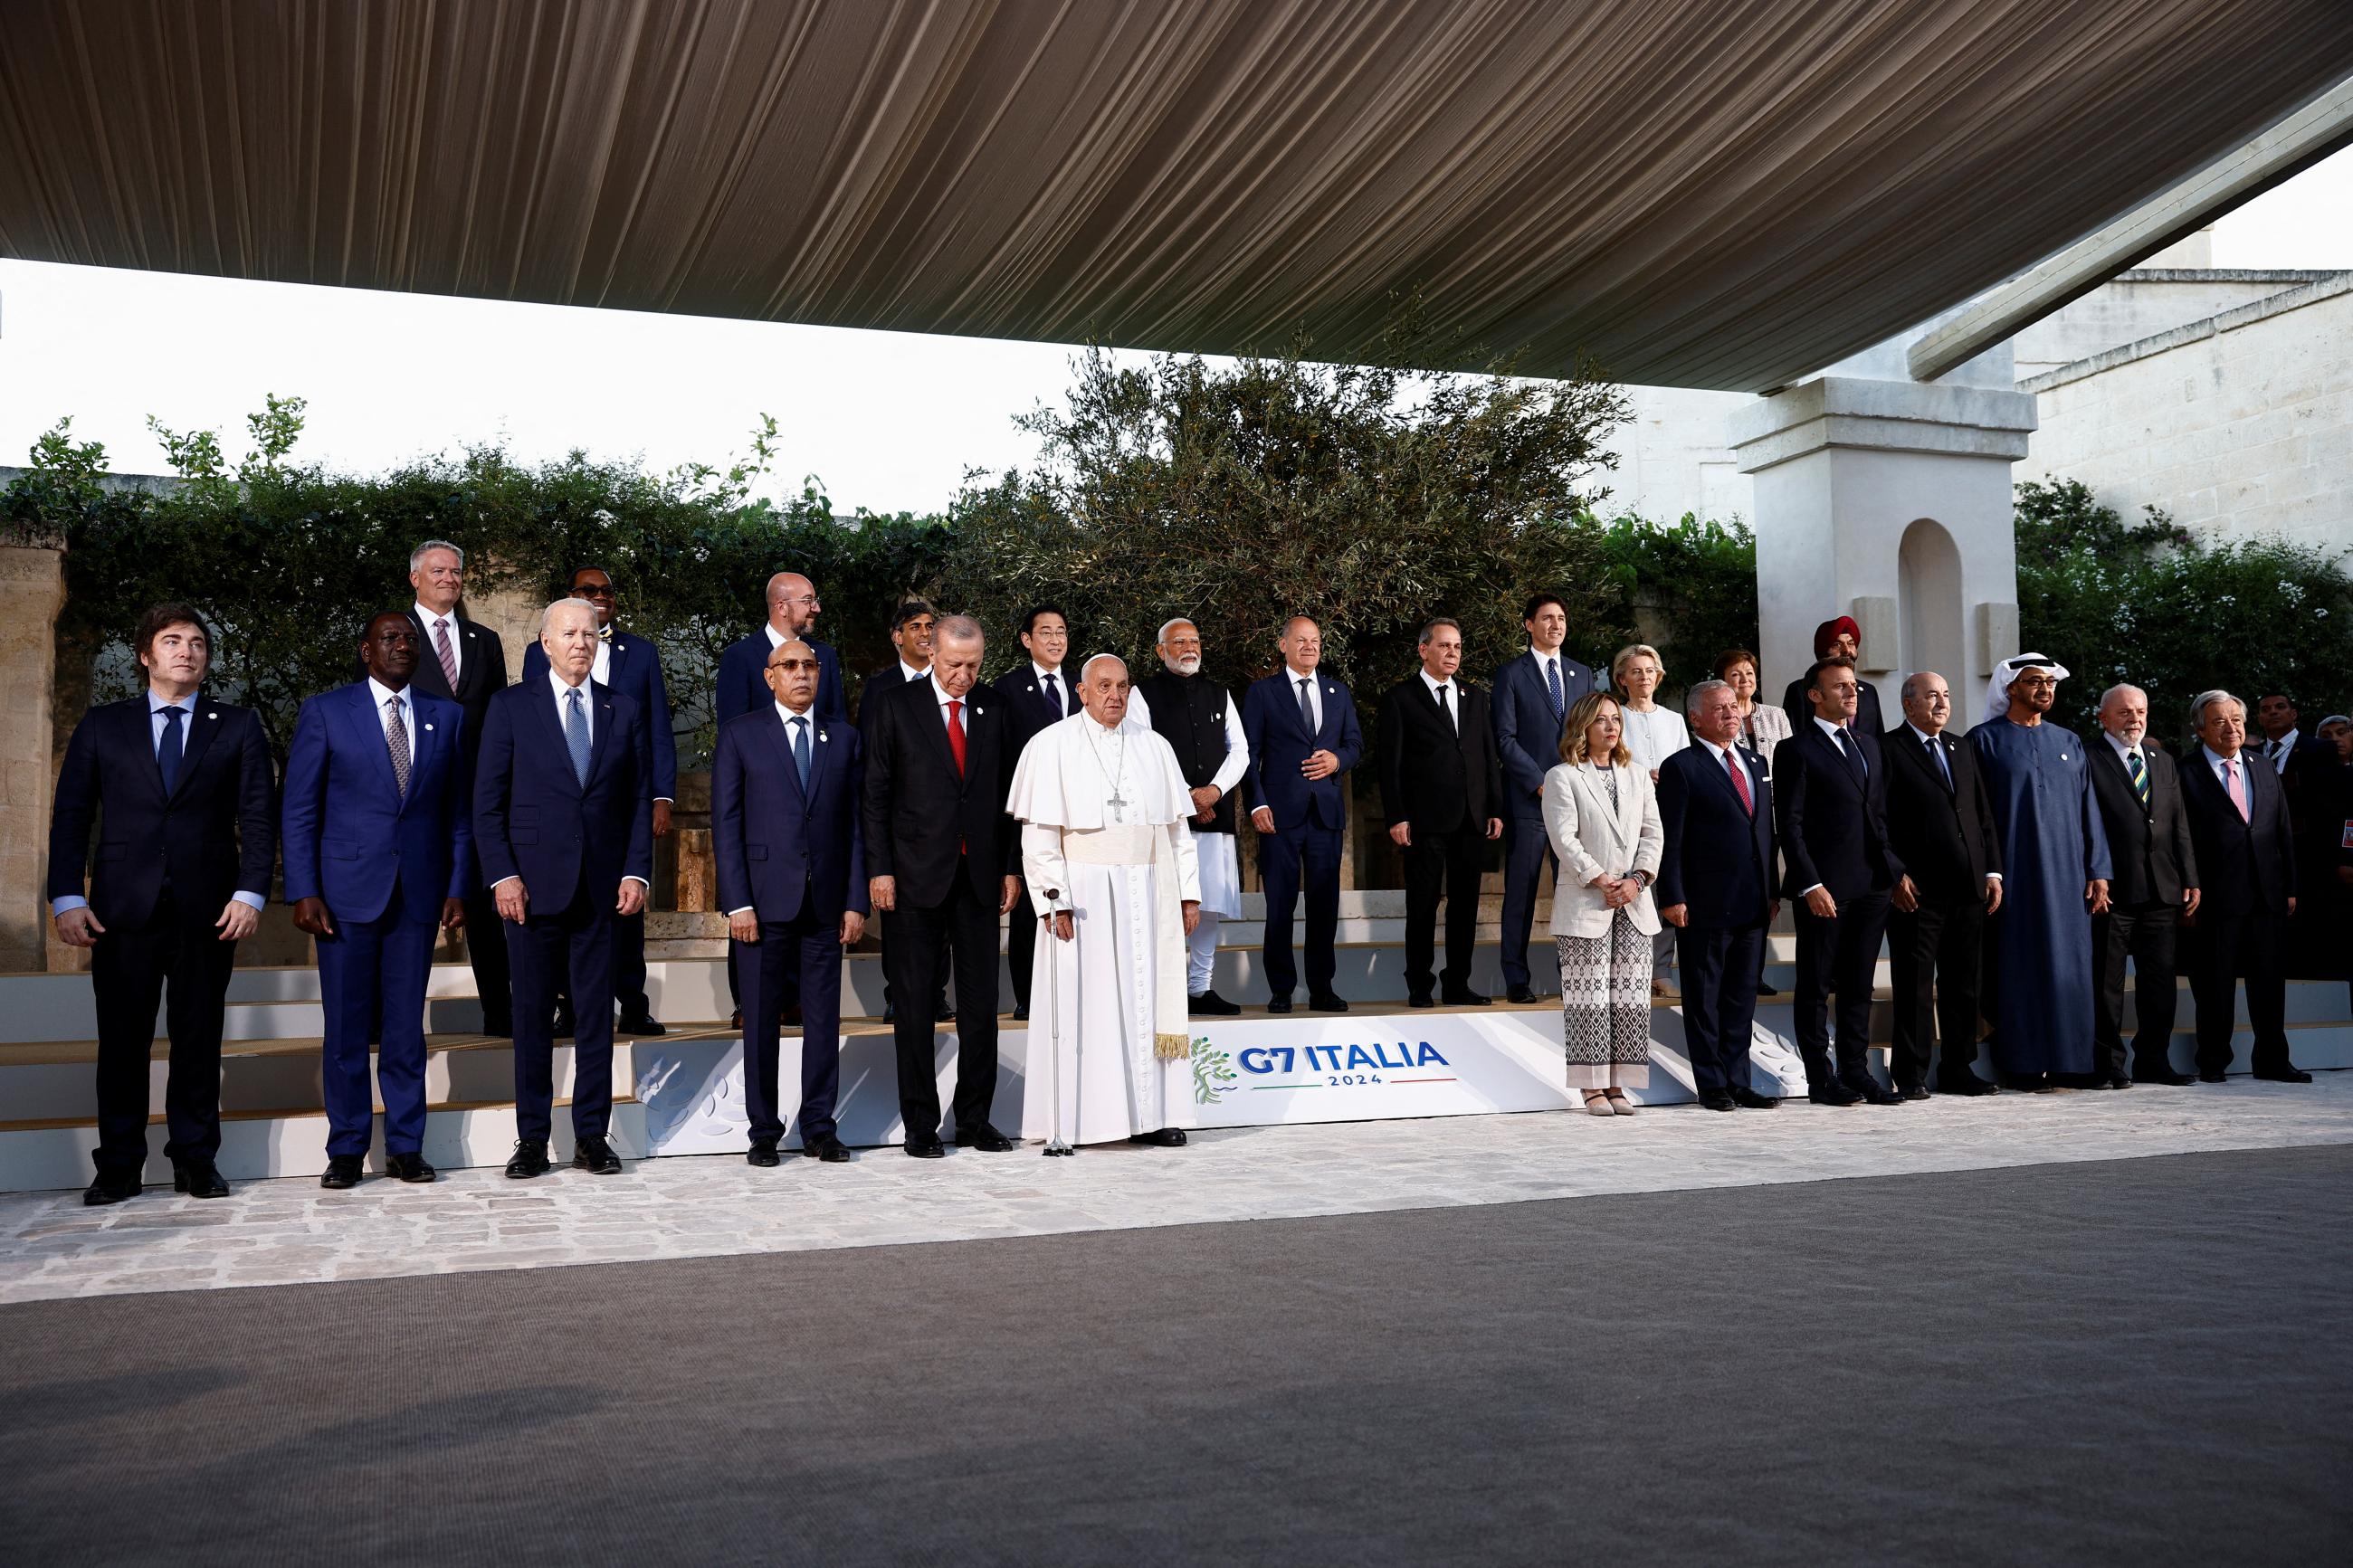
{"type": "Point", "coordinates": [1603, 820]}
{"type": "Point", "coordinates": [1762, 725]}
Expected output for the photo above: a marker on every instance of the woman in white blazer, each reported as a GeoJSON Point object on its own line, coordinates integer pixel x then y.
{"type": "Point", "coordinates": [1603, 819]}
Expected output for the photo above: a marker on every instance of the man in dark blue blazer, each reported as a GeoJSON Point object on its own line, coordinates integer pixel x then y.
{"type": "Point", "coordinates": [743, 683]}
{"type": "Point", "coordinates": [180, 791]}
{"type": "Point", "coordinates": [2239, 821]}
{"type": "Point", "coordinates": [379, 853]}
{"type": "Point", "coordinates": [1831, 805]}
{"type": "Point", "coordinates": [1530, 702]}
{"type": "Point", "coordinates": [632, 666]}
{"type": "Point", "coordinates": [1303, 738]}
{"type": "Point", "coordinates": [788, 835]}
{"type": "Point", "coordinates": [1715, 888]}
{"type": "Point", "coordinates": [1036, 692]}
{"type": "Point", "coordinates": [564, 831]}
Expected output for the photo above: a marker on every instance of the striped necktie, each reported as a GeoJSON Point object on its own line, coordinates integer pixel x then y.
{"type": "Point", "coordinates": [2139, 771]}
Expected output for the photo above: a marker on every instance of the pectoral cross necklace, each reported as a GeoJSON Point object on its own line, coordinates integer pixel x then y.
{"type": "Point", "coordinates": [1112, 776]}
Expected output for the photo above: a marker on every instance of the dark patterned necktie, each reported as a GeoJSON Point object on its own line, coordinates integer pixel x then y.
{"type": "Point", "coordinates": [1552, 679]}
{"type": "Point", "coordinates": [396, 738]}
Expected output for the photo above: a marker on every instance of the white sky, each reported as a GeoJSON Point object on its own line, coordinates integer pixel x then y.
{"type": "Point", "coordinates": [887, 420]}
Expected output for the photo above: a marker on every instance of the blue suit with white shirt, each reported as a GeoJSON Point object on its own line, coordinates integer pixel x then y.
{"type": "Point", "coordinates": [1308, 815]}
{"type": "Point", "coordinates": [382, 857]}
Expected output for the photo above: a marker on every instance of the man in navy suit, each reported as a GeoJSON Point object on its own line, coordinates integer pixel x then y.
{"type": "Point", "coordinates": [1303, 738]}
{"type": "Point", "coordinates": [379, 853]}
{"type": "Point", "coordinates": [1036, 692]}
{"type": "Point", "coordinates": [1531, 700]}
{"type": "Point", "coordinates": [788, 835]}
{"type": "Point", "coordinates": [1715, 888]}
{"type": "Point", "coordinates": [742, 682]}
{"type": "Point", "coordinates": [1830, 801]}
{"type": "Point", "coordinates": [2246, 872]}
{"type": "Point", "coordinates": [632, 666]}
{"type": "Point", "coordinates": [564, 831]}
{"type": "Point", "coordinates": [462, 661]}
{"type": "Point", "coordinates": [180, 791]}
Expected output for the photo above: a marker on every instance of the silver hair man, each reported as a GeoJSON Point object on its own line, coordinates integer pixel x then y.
{"type": "Point", "coordinates": [1698, 694]}
{"type": "Point", "coordinates": [2205, 699]}
{"type": "Point", "coordinates": [956, 628]}
{"type": "Point", "coordinates": [417, 556]}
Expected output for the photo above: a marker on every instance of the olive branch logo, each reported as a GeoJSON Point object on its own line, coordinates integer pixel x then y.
{"type": "Point", "coordinates": [1213, 1072]}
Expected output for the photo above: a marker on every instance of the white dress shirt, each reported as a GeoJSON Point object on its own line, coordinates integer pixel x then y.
{"type": "Point", "coordinates": [432, 618]}
{"type": "Point", "coordinates": [1061, 683]}
{"type": "Point", "coordinates": [378, 695]}
{"type": "Point", "coordinates": [1448, 694]}
{"type": "Point", "coordinates": [1292, 679]}
{"type": "Point", "coordinates": [911, 673]}
{"type": "Point", "coordinates": [941, 696]}
{"type": "Point", "coordinates": [2281, 749]}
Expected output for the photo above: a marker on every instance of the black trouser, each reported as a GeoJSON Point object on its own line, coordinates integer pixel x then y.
{"type": "Point", "coordinates": [2244, 946]}
{"type": "Point", "coordinates": [1719, 973]}
{"type": "Point", "coordinates": [1449, 864]}
{"type": "Point", "coordinates": [1933, 953]}
{"type": "Point", "coordinates": [1021, 945]}
{"type": "Point", "coordinates": [630, 968]}
{"type": "Point", "coordinates": [486, 952]}
{"type": "Point", "coordinates": [2146, 933]}
{"type": "Point", "coordinates": [175, 958]}
{"type": "Point", "coordinates": [916, 939]}
{"type": "Point", "coordinates": [1840, 954]}
{"type": "Point", "coordinates": [570, 947]}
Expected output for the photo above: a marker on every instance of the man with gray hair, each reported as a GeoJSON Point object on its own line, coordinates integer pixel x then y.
{"type": "Point", "coordinates": [1442, 792]}
{"type": "Point", "coordinates": [465, 662]}
{"type": "Point", "coordinates": [1203, 725]}
{"type": "Point", "coordinates": [2153, 887]}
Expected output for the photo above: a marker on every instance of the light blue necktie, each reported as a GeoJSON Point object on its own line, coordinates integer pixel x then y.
{"type": "Point", "coordinates": [801, 752]}
{"type": "Point", "coordinates": [575, 736]}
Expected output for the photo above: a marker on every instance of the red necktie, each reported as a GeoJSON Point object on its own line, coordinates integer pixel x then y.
{"type": "Point", "coordinates": [1740, 782]}
{"type": "Point", "coordinates": [956, 733]}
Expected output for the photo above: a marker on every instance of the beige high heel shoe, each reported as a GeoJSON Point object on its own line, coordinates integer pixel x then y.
{"type": "Point", "coordinates": [1596, 1103]}
{"type": "Point", "coordinates": [1618, 1103]}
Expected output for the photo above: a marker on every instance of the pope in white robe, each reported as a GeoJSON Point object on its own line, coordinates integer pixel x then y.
{"type": "Point", "coordinates": [1104, 843]}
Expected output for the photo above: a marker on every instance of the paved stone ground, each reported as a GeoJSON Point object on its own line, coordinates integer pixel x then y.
{"type": "Point", "coordinates": [289, 1232]}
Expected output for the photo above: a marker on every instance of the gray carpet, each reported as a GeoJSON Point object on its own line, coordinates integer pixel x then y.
{"type": "Point", "coordinates": [2141, 1362]}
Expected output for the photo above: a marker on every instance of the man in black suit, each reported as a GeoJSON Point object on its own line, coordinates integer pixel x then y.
{"type": "Point", "coordinates": [1036, 692]}
{"type": "Point", "coordinates": [180, 791]}
{"type": "Point", "coordinates": [1940, 822]}
{"type": "Point", "coordinates": [564, 830]}
{"type": "Point", "coordinates": [911, 625]}
{"type": "Point", "coordinates": [1839, 637]}
{"type": "Point", "coordinates": [939, 853]}
{"type": "Point", "coordinates": [1442, 791]}
{"type": "Point", "coordinates": [465, 662]}
{"type": "Point", "coordinates": [2152, 886]}
{"type": "Point", "coordinates": [1715, 889]}
{"type": "Point", "coordinates": [1829, 801]}
{"type": "Point", "coordinates": [2246, 874]}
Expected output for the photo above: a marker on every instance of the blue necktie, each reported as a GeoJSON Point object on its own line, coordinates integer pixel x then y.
{"type": "Point", "coordinates": [1853, 757]}
{"type": "Point", "coordinates": [575, 736]}
{"type": "Point", "coordinates": [167, 751]}
{"type": "Point", "coordinates": [1552, 679]}
{"type": "Point", "coordinates": [1054, 695]}
{"type": "Point", "coordinates": [801, 752]}
{"type": "Point", "coordinates": [1942, 768]}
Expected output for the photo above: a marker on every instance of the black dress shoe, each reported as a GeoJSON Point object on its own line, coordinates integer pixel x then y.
{"type": "Point", "coordinates": [1765, 990]}
{"type": "Point", "coordinates": [111, 1187]}
{"type": "Point", "coordinates": [642, 1024]}
{"type": "Point", "coordinates": [1278, 1004]}
{"type": "Point", "coordinates": [199, 1179]}
{"type": "Point", "coordinates": [2119, 1080]}
{"type": "Point", "coordinates": [530, 1159]}
{"type": "Point", "coordinates": [565, 1027]}
{"type": "Point", "coordinates": [2211, 1075]}
{"type": "Point", "coordinates": [498, 1026]}
{"type": "Point", "coordinates": [2284, 1075]}
{"type": "Point", "coordinates": [2024, 1082]}
{"type": "Point", "coordinates": [984, 1138]}
{"type": "Point", "coordinates": [2168, 1078]}
{"type": "Point", "coordinates": [1833, 1094]}
{"type": "Point", "coordinates": [1968, 1083]}
{"type": "Point", "coordinates": [1020, 1012]}
{"type": "Point", "coordinates": [1421, 999]}
{"type": "Point", "coordinates": [762, 1154]}
{"type": "Point", "coordinates": [789, 1017]}
{"type": "Point", "coordinates": [825, 1146]}
{"type": "Point", "coordinates": [946, 1014]}
{"type": "Point", "coordinates": [925, 1148]}
{"type": "Point", "coordinates": [1166, 1138]}
{"type": "Point", "coordinates": [1869, 1090]}
{"type": "Point", "coordinates": [735, 1019]}
{"type": "Point", "coordinates": [1210, 1004]}
{"type": "Point", "coordinates": [1521, 995]}
{"type": "Point", "coordinates": [1466, 997]}
{"type": "Point", "coordinates": [1328, 1002]}
{"type": "Point", "coordinates": [596, 1156]}
{"type": "Point", "coordinates": [409, 1168]}
{"type": "Point", "coordinates": [1749, 1099]}
{"type": "Point", "coordinates": [1716, 1099]}
{"type": "Point", "coordinates": [1913, 1092]}
{"type": "Point", "coordinates": [890, 1012]}
{"type": "Point", "coordinates": [343, 1173]}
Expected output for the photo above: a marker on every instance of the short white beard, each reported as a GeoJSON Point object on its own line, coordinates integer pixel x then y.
{"type": "Point", "coordinates": [1184, 664]}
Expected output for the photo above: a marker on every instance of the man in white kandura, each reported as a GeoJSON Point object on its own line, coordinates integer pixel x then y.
{"type": "Point", "coordinates": [1102, 805]}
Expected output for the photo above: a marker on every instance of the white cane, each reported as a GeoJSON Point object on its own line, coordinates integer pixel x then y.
{"type": "Point", "coordinates": [1054, 1145]}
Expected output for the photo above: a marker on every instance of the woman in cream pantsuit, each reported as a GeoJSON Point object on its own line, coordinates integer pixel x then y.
{"type": "Point", "coordinates": [1603, 819]}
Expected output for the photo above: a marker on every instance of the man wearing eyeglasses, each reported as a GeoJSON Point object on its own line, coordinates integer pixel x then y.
{"type": "Point", "coordinates": [629, 666]}
{"type": "Point", "coordinates": [742, 684]}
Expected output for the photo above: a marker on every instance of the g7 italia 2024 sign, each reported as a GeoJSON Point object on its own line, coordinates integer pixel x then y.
{"type": "Point", "coordinates": [1265, 1072]}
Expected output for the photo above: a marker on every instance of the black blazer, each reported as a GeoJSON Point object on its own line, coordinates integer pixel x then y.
{"type": "Point", "coordinates": [481, 674]}
{"type": "Point", "coordinates": [1832, 829]}
{"type": "Point", "coordinates": [1947, 840]}
{"type": "Point", "coordinates": [925, 825]}
{"type": "Point", "coordinates": [2152, 857]}
{"type": "Point", "coordinates": [1027, 707]}
{"type": "Point", "coordinates": [2243, 867]}
{"type": "Point", "coordinates": [1718, 858]}
{"type": "Point", "coordinates": [1437, 776]}
{"type": "Point", "coordinates": [1801, 712]}
{"type": "Point", "coordinates": [887, 678]}
{"type": "Point", "coordinates": [216, 835]}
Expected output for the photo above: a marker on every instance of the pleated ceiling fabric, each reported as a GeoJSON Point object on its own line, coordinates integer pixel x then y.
{"type": "Point", "coordinates": [1700, 193]}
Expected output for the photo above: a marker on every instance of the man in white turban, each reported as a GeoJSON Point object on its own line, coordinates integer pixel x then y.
{"type": "Point", "coordinates": [1102, 805]}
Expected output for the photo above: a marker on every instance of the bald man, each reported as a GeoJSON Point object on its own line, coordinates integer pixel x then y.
{"type": "Point", "coordinates": [743, 680]}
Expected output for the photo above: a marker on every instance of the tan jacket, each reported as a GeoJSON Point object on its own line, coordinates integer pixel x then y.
{"type": "Point", "coordinates": [1594, 840]}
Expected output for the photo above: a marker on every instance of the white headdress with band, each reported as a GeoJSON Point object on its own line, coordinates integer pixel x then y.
{"type": "Point", "coordinates": [2009, 669]}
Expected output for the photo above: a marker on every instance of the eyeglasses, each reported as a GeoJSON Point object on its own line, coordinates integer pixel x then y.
{"type": "Point", "coordinates": [785, 666]}
{"type": "Point", "coordinates": [2034, 682]}
{"type": "Point", "coordinates": [592, 590]}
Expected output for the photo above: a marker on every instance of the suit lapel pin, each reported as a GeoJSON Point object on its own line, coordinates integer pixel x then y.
{"type": "Point", "coordinates": [428, 725]}
{"type": "Point", "coordinates": [822, 737]}
{"type": "Point", "coordinates": [212, 715]}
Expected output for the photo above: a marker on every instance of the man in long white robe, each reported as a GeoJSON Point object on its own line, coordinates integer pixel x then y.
{"type": "Point", "coordinates": [1103, 842]}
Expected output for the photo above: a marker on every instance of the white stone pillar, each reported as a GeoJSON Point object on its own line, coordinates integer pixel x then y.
{"type": "Point", "coordinates": [1889, 500]}
{"type": "Point", "coordinates": [32, 592]}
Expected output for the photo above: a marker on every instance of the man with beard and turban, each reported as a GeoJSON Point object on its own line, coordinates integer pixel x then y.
{"type": "Point", "coordinates": [1837, 639]}
{"type": "Point", "coordinates": [2043, 992]}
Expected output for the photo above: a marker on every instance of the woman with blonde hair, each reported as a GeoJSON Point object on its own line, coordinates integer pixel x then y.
{"type": "Point", "coordinates": [1603, 820]}
{"type": "Point", "coordinates": [1653, 733]}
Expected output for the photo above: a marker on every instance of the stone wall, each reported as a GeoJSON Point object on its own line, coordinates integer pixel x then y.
{"type": "Point", "coordinates": [32, 592]}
